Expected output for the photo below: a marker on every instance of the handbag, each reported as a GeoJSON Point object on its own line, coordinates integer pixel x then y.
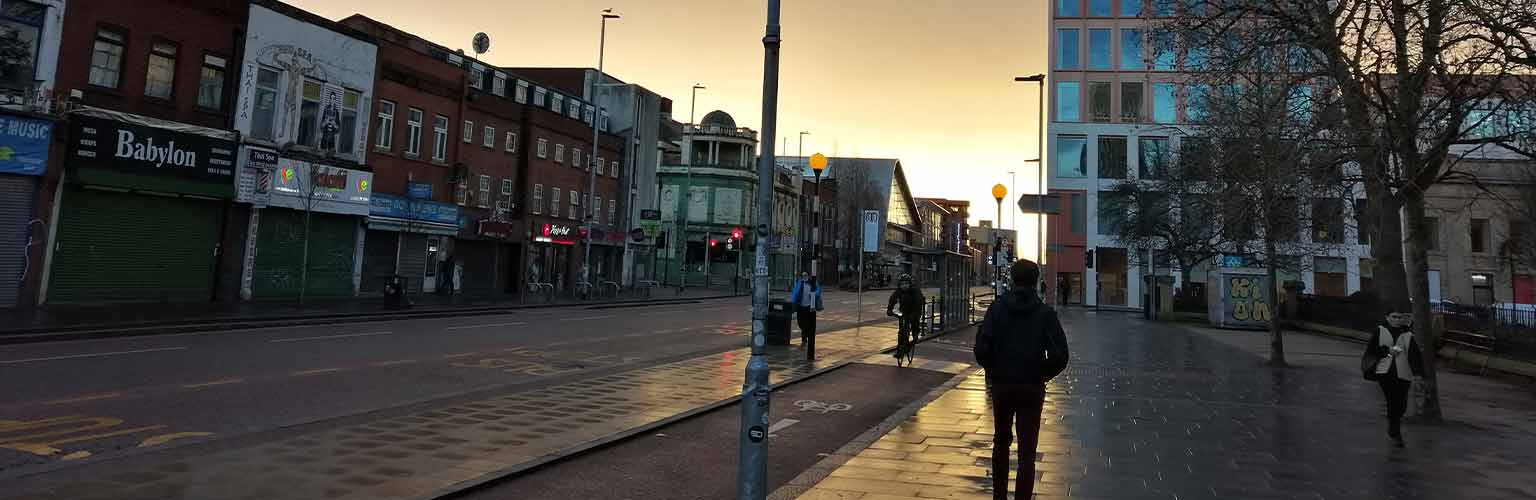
{"type": "Point", "coordinates": [1368, 362]}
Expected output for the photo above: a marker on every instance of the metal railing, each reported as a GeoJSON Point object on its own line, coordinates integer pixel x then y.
{"type": "Point", "coordinates": [547, 290]}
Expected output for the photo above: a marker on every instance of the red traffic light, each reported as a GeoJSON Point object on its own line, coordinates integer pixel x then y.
{"type": "Point", "coordinates": [712, 243]}
{"type": "Point", "coordinates": [736, 234]}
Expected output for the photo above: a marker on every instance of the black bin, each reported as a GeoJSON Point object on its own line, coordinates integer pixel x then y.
{"type": "Point", "coordinates": [395, 296]}
{"type": "Point", "coordinates": [780, 312]}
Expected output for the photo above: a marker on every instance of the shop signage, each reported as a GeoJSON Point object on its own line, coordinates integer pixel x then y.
{"type": "Point", "coordinates": [388, 205]}
{"type": "Point", "coordinates": [557, 234]}
{"type": "Point", "coordinates": [496, 229]}
{"type": "Point", "coordinates": [302, 185]}
{"type": "Point", "coordinates": [418, 190]}
{"type": "Point", "coordinates": [24, 145]}
{"type": "Point", "coordinates": [103, 143]}
{"type": "Point", "coordinates": [649, 214]}
{"type": "Point", "coordinates": [254, 184]}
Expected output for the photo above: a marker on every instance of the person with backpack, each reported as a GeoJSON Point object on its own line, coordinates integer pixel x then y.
{"type": "Point", "coordinates": [806, 294]}
{"type": "Point", "coordinates": [1021, 346]}
{"type": "Point", "coordinates": [908, 301]}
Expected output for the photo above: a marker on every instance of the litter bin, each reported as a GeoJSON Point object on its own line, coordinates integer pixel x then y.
{"type": "Point", "coordinates": [777, 326]}
{"type": "Point", "coordinates": [395, 293]}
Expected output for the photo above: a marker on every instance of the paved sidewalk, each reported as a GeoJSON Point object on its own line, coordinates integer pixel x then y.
{"type": "Point", "coordinates": [82, 317]}
{"type": "Point", "coordinates": [1158, 411]}
{"type": "Point", "coordinates": [440, 450]}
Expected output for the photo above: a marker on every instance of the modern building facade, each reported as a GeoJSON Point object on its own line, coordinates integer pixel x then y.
{"type": "Point", "coordinates": [1117, 110]}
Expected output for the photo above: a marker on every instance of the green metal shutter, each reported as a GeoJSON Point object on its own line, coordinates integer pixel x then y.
{"type": "Point", "coordinates": [280, 254]}
{"type": "Point", "coordinates": [121, 247]}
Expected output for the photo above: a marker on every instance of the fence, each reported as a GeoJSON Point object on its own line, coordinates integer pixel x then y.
{"type": "Point", "coordinates": [1512, 327]}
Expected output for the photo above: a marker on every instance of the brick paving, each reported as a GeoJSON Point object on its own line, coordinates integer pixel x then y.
{"type": "Point", "coordinates": [436, 451]}
{"type": "Point", "coordinates": [1157, 411]}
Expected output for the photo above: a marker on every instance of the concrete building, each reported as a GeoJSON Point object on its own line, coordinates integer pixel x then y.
{"type": "Point", "coordinates": [707, 191]}
{"type": "Point", "coordinates": [1117, 108]}
{"type": "Point", "coordinates": [1474, 254]}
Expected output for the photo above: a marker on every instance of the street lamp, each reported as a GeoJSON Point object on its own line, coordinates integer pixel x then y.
{"type": "Point", "coordinates": [682, 236]}
{"type": "Point", "coordinates": [597, 113]}
{"type": "Point", "coordinates": [802, 143]}
{"type": "Point", "coordinates": [999, 192]}
{"type": "Point", "coordinates": [1039, 79]}
{"type": "Point", "coordinates": [818, 164]}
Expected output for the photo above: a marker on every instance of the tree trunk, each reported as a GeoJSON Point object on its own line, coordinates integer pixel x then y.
{"type": "Point", "coordinates": [1424, 330]}
{"type": "Point", "coordinates": [1388, 274]}
{"type": "Point", "coordinates": [304, 261]}
{"type": "Point", "coordinates": [1276, 340]}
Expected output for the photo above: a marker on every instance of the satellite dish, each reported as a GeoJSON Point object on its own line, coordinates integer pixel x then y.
{"type": "Point", "coordinates": [482, 43]}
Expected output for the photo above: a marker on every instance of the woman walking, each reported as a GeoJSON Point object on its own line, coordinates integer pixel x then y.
{"type": "Point", "coordinates": [1393, 360]}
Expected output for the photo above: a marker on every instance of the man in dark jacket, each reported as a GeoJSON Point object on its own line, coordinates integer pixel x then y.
{"type": "Point", "coordinates": [1021, 346]}
{"type": "Point", "coordinates": [910, 302]}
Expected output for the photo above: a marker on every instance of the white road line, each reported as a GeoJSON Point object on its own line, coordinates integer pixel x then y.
{"type": "Point", "coordinates": [213, 383]}
{"type": "Point", "coordinates": [781, 425]}
{"type": "Point", "coordinates": [328, 337]}
{"type": "Point", "coordinates": [94, 355]}
{"type": "Point", "coordinates": [82, 399]}
{"type": "Point", "coordinates": [491, 325]}
{"type": "Point", "coordinates": [589, 318]}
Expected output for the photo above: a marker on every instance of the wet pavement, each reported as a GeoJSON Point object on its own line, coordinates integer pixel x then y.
{"type": "Point", "coordinates": [1157, 411]}
{"type": "Point", "coordinates": [439, 449]}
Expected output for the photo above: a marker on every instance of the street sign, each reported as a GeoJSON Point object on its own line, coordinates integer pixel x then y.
{"type": "Point", "coordinates": [871, 231]}
{"type": "Point", "coordinates": [650, 214]}
{"type": "Point", "coordinates": [1032, 204]}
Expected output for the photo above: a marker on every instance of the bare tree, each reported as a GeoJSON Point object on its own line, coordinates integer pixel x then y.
{"type": "Point", "coordinates": [1408, 73]}
{"type": "Point", "coordinates": [855, 194]}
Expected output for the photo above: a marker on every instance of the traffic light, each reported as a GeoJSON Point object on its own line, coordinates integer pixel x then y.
{"type": "Point", "coordinates": [712, 242]}
{"type": "Point", "coordinates": [736, 234]}
{"type": "Point", "coordinates": [1088, 259]}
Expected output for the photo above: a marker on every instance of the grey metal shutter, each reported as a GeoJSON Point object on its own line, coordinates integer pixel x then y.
{"type": "Point", "coordinates": [16, 193]}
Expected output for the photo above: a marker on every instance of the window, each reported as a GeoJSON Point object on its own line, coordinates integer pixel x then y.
{"type": "Point", "coordinates": [351, 103]}
{"type": "Point", "coordinates": [309, 114]}
{"type": "Point", "coordinates": [1154, 157]}
{"type": "Point", "coordinates": [1131, 8]}
{"type": "Point", "coordinates": [613, 169]}
{"type": "Point", "coordinates": [543, 149]}
{"type": "Point", "coordinates": [1098, 101]}
{"type": "Point", "coordinates": [1162, 8]}
{"type": "Point", "coordinates": [476, 76]}
{"type": "Point", "coordinates": [385, 128]}
{"type": "Point", "coordinates": [1364, 222]}
{"type": "Point", "coordinates": [499, 84]}
{"type": "Point", "coordinates": [490, 137]}
{"type": "Point", "coordinates": [1301, 104]}
{"type": "Point", "coordinates": [210, 84]}
{"type": "Point", "coordinates": [511, 145]}
{"type": "Point", "coordinates": [484, 199]}
{"type": "Point", "coordinates": [1079, 215]}
{"type": "Point", "coordinates": [1482, 290]}
{"type": "Point", "coordinates": [21, 23]}
{"type": "Point", "coordinates": [1069, 8]}
{"type": "Point", "coordinates": [538, 199]}
{"type": "Point", "coordinates": [461, 193]}
{"type": "Point", "coordinates": [1196, 101]}
{"type": "Point", "coordinates": [602, 121]}
{"type": "Point", "coordinates": [613, 208]}
{"type": "Point", "coordinates": [1100, 8]}
{"type": "Point", "coordinates": [599, 166]}
{"type": "Point", "coordinates": [107, 58]}
{"type": "Point", "coordinates": [1131, 101]}
{"type": "Point", "coordinates": [554, 201]}
{"type": "Point", "coordinates": [1480, 236]}
{"type": "Point", "coordinates": [586, 116]}
{"type": "Point", "coordinates": [559, 153]}
{"type": "Point", "coordinates": [538, 96]}
{"type": "Point", "coordinates": [575, 156]}
{"type": "Point", "coordinates": [1099, 53]}
{"type": "Point", "coordinates": [1131, 55]}
{"type": "Point", "coordinates": [1068, 101]}
{"type": "Point", "coordinates": [574, 110]}
{"type": "Point", "coordinates": [506, 187]}
{"type": "Point", "coordinates": [1197, 53]}
{"type": "Point", "coordinates": [1112, 158]}
{"type": "Point", "coordinates": [1163, 51]}
{"type": "Point", "coordinates": [1112, 209]}
{"type": "Point", "coordinates": [264, 118]}
{"type": "Point", "coordinates": [1328, 221]}
{"type": "Point", "coordinates": [597, 210]}
{"type": "Point", "coordinates": [1164, 103]}
{"type": "Point", "coordinates": [162, 70]}
{"type": "Point", "coordinates": [440, 138]}
{"type": "Point", "coordinates": [468, 132]}
{"type": "Point", "coordinates": [413, 132]}
{"type": "Point", "coordinates": [1067, 50]}
{"type": "Point", "coordinates": [1481, 123]}
{"type": "Point", "coordinates": [557, 103]}
{"type": "Point", "coordinates": [1432, 233]}
{"type": "Point", "coordinates": [1071, 156]}
{"type": "Point", "coordinates": [570, 211]}
{"type": "Point", "coordinates": [522, 92]}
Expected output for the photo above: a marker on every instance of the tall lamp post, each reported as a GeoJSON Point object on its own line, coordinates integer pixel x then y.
{"type": "Point", "coordinates": [687, 197]}
{"type": "Point", "coordinates": [752, 465]}
{"type": "Point", "coordinates": [999, 192]}
{"type": "Point", "coordinates": [818, 164]}
{"type": "Point", "coordinates": [802, 143]}
{"type": "Point", "coordinates": [1039, 79]}
{"type": "Point", "coordinates": [597, 113]}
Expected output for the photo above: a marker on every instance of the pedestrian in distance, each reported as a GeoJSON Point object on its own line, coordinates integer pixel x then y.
{"type": "Point", "coordinates": [807, 296]}
{"type": "Point", "coordinates": [1021, 346]}
{"type": "Point", "coordinates": [906, 304]}
{"type": "Point", "coordinates": [1393, 360]}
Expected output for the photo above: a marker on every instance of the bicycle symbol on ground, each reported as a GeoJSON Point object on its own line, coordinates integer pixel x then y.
{"type": "Point", "coordinates": [820, 407]}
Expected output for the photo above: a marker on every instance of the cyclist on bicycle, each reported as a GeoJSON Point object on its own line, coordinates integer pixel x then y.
{"type": "Point", "coordinates": [910, 300]}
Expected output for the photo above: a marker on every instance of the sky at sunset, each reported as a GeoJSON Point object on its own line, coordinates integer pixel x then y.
{"type": "Point", "coordinates": [927, 81]}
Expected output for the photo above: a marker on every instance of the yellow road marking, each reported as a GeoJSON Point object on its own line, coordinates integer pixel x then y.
{"type": "Point", "coordinates": [87, 423]}
{"type": "Point", "coordinates": [166, 438]}
{"type": "Point", "coordinates": [315, 372]}
{"type": "Point", "coordinates": [106, 434]}
{"type": "Point", "coordinates": [213, 383]}
{"type": "Point", "coordinates": [396, 362]}
{"type": "Point", "coordinates": [80, 399]}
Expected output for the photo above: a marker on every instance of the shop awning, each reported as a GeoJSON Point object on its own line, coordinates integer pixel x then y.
{"type": "Point", "coordinates": [411, 226]}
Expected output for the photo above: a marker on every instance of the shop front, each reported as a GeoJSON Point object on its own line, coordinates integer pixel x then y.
{"type": "Point", "coordinates": [554, 257]}
{"type": "Point", "coordinates": [487, 259]}
{"type": "Point", "coordinates": [404, 234]}
{"type": "Point", "coordinates": [141, 210]}
{"type": "Point", "coordinates": [304, 237]}
{"type": "Point", "coordinates": [25, 141]}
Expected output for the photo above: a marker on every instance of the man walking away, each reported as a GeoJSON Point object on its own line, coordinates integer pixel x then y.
{"type": "Point", "coordinates": [910, 300]}
{"type": "Point", "coordinates": [807, 296]}
{"type": "Point", "coordinates": [1021, 346]}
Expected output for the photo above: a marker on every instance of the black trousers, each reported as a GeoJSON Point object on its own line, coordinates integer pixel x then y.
{"type": "Point", "coordinates": [807, 318]}
{"type": "Point", "coordinates": [1015, 406]}
{"type": "Point", "coordinates": [1396, 391]}
{"type": "Point", "coordinates": [907, 328]}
